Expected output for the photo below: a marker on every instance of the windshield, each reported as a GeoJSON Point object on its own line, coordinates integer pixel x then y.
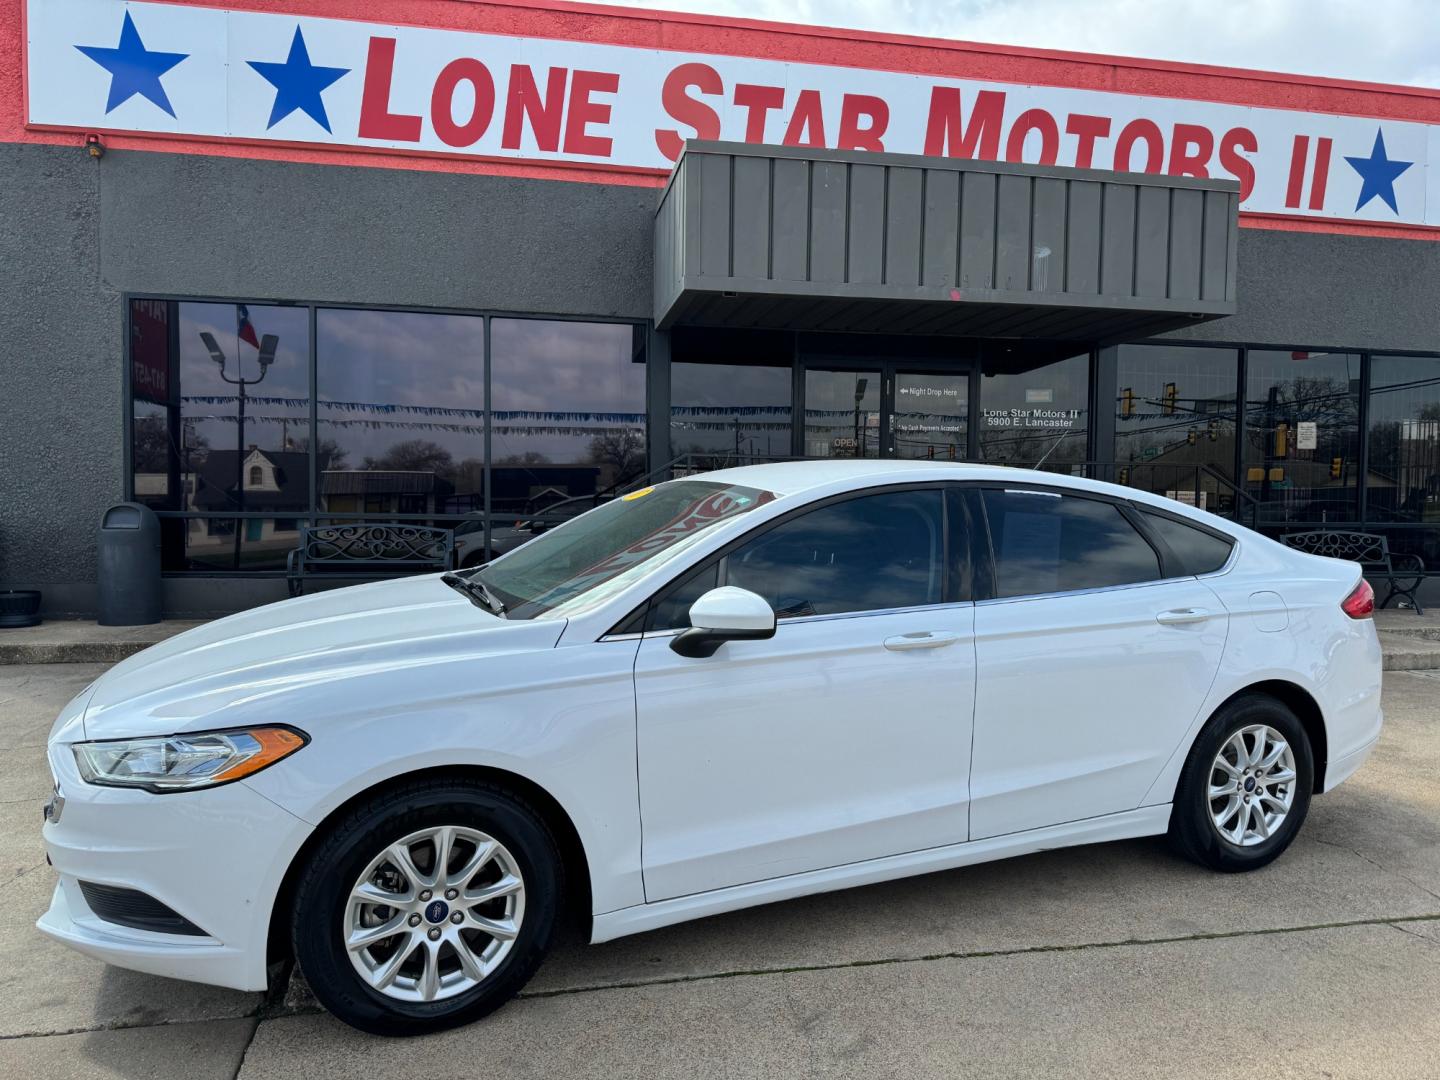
{"type": "Point", "coordinates": [583, 562]}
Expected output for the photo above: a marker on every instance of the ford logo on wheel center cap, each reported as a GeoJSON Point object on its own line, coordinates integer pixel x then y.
{"type": "Point", "coordinates": [436, 911]}
{"type": "Point", "coordinates": [1249, 783]}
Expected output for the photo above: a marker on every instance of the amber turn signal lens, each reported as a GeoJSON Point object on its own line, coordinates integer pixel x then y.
{"type": "Point", "coordinates": [275, 743]}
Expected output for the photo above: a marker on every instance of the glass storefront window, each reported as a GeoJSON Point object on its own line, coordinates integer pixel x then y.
{"type": "Point", "coordinates": [1175, 411]}
{"type": "Point", "coordinates": [401, 412]}
{"type": "Point", "coordinates": [568, 410]}
{"type": "Point", "coordinates": [1302, 434]}
{"type": "Point", "coordinates": [221, 435]}
{"type": "Point", "coordinates": [1403, 480]}
{"type": "Point", "coordinates": [221, 398]}
{"type": "Point", "coordinates": [1034, 409]}
{"type": "Point", "coordinates": [727, 413]}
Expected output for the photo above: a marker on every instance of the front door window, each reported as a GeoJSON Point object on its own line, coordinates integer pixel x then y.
{"type": "Point", "coordinates": [866, 554]}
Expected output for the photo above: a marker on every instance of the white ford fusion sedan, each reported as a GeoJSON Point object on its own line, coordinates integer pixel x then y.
{"type": "Point", "coordinates": [713, 693]}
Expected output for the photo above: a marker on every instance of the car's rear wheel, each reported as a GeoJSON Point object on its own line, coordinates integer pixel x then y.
{"type": "Point", "coordinates": [1245, 788]}
{"type": "Point", "coordinates": [427, 907]}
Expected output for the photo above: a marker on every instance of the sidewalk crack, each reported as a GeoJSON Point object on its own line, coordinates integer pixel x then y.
{"type": "Point", "coordinates": [979, 954]}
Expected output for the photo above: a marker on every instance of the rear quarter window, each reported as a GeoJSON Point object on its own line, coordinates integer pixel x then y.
{"type": "Point", "coordinates": [1201, 552]}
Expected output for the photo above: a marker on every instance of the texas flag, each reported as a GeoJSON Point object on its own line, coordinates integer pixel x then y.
{"type": "Point", "coordinates": [244, 328]}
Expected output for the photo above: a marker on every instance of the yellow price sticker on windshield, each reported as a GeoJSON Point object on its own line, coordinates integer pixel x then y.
{"type": "Point", "coordinates": [637, 494]}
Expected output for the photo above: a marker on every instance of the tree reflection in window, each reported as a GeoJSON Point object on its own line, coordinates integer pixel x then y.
{"type": "Point", "coordinates": [1302, 434]}
{"type": "Point", "coordinates": [568, 411]}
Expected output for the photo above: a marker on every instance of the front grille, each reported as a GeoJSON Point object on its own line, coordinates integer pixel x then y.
{"type": "Point", "coordinates": [135, 909]}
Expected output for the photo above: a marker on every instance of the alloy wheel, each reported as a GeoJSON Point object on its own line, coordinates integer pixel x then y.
{"type": "Point", "coordinates": [1252, 785]}
{"type": "Point", "coordinates": [434, 914]}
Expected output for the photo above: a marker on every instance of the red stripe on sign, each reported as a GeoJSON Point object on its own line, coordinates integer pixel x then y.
{"type": "Point", "coordinates": [1316, 224]}
{"type": "Point", "coordinates": [1298, 153]}
{"type": "Point", "coordinates": [1321, 173]}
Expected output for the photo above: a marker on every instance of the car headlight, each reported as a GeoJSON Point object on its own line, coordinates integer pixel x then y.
{"type": "Point", "coordinates": [186, 761]}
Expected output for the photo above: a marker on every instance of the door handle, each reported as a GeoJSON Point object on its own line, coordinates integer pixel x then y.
{"type": "Point", "coordinates": [921, 639]}
{"type": "Point", "coordinates": [1181, 616]}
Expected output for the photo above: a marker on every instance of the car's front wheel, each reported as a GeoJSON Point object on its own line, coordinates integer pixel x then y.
{"type": "Point", "coordinates": [427, 907]}
{"type": "Point", "coordinates": [1245, 788]}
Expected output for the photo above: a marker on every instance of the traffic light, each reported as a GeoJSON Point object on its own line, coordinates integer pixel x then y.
{"type": "Point", "coordinates": [1213, 430]}
{"type": "Point", "coordinates": [1168, 405]}
{"type": "Point", "coordinates": [1127, 403]}
{"type": "Point", "coordinates": [1192, 437]}
{"type": "Point", "coordinates": [1124, 475]}
{"type": "Point", "coordinates": [1282, 439]}
{"type": "Point", "coordinates": [1337, 467]}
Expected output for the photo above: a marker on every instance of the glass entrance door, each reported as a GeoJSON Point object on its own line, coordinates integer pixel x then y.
{"type": "Point", "coordinates": [843, 413]}
{"type": "Point", "coordinates": [885, 410]}
{"type": "Point", "coordinates": [929, 415]}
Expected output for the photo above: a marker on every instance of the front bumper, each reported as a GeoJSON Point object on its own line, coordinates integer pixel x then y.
{"type": "Point", "coordinates": [196, 959]}
{"type": "Point", "coordinates": [216, 857]}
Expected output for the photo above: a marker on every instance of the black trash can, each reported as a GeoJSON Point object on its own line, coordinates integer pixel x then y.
{"type": "Point", "coordinates": [129, 581]}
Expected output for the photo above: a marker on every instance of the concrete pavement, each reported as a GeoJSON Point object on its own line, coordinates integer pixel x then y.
{"type": "Point", "coordinates": [1113, 959]}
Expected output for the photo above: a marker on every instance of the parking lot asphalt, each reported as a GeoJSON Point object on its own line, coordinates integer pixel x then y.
{"type": "Point", "coordinates": [1115, 959]}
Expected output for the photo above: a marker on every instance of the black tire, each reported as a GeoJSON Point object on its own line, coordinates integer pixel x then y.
{"type": "Point", "coordinates": [1193, 832]}
{"type": "Point", "coordinates": [323, 888]}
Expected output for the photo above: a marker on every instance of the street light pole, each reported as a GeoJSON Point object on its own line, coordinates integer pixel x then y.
{"type": "Point", "coordinates": [268, 344]}
{"type": "Point", "coordinates": [859, 397]}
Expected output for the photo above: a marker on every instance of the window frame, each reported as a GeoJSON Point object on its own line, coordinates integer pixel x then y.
{"type": "Point", "coordinates": [955, 587]}
{"type": "Point", "coordinates": [312, 515]}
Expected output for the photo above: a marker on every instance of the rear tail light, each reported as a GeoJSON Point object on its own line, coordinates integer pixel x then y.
{"type": "Point", "coordinates": [1360, 604]}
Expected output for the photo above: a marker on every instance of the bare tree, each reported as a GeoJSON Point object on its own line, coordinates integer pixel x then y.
{"type": "Point", "coordinates": [623, 450]}
{"type": "Point", "coordinates": [414, 455]}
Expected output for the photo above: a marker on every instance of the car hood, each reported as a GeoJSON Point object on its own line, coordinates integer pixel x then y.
{"type": "Point", "coordinates": [238, 669]}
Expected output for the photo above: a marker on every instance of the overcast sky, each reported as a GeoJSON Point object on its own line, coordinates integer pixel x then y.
{"type": "Point", "coordinates": [1396, 41]}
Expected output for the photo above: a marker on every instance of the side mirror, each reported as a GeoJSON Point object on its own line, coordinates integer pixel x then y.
{"type": "Point", "coordinates": [721, 615]}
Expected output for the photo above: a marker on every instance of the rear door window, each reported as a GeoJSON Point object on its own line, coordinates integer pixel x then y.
{"type": "Point", "coordinates": [1052, 543]}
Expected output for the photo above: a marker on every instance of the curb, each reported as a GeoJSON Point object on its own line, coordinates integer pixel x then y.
{"type": "Point", "coordinates": [75, 652]}
{"type": "Point", "coordinates": [1409, 652]}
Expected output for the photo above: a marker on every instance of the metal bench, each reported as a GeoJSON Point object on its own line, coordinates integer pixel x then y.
{"type": "Point", "coordinates": [360, 551]}
{"type": "Point", "coordinates": [1372, 552]}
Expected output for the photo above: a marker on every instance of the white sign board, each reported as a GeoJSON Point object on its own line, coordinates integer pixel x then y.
{"type": "Point", "coordinates": [205, 72]}
{"type": "Point", "coordinates": [1305, 435]}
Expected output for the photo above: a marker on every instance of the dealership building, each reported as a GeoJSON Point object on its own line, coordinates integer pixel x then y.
{"type": "Point", "coordinates": [296, 262]}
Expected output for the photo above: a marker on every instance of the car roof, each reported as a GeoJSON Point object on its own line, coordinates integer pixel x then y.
{"type": "Point", "coordinates": [825, 476]}
{"type": "Point", "coordinates": [798, 477]}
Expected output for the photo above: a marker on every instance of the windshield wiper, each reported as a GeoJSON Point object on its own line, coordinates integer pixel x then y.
{"type": "Point", "coordinates": [475, 592]}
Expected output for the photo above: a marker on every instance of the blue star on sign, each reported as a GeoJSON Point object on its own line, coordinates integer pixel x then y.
{"type": "Point", "coordinates": [1378, 174]}
{"type": "Point", "coordinates": [298, 83]}
{"type": "Point", "coordinates": [133, 68]}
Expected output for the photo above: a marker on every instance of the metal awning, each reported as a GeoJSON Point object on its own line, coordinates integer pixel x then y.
{"type": "Point", "coordinates": [803, 239]}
